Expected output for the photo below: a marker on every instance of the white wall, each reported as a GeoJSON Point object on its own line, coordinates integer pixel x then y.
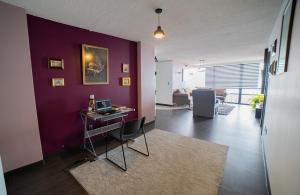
{"type": "Point", "coordinates": [146, 81]}
{"type": "Point", "coordinates": [282, 140]}
{"type": "Point", "coordinates": [177, 77]}
{"type": "Point", "coordinates": [164, 82]}
{"type": "Point", "coordinates": [20, 143]}
{"type": "Point", "coordinates": [194, 77]}
{"type": "Point", "coordinates": [172, 76]}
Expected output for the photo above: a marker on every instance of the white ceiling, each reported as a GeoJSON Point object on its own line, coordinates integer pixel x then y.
{"type": "Point", "coordinates": [218, 31]}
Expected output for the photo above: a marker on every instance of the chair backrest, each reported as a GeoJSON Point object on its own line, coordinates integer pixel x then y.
{"type": "Point", "coordinates": [132, 128]}
{"type": "Point", "coordinates": [204, 96]}
{"type": "Point", "coordinates": [220, 92]}
{"type": "Point", "coordinates": [204, 102]}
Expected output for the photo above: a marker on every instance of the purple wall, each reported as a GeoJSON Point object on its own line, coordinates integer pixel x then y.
{"type": "Point", "coordinates": [58, 108]}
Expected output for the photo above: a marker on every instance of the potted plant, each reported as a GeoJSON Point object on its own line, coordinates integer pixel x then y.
{"type": "Point", "coordinates": [257, 99]}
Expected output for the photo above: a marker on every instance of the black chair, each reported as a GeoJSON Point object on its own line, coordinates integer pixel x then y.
{"type": "Point", "coordinates": [129, 131]}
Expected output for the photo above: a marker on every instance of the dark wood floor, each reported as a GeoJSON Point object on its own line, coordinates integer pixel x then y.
{"type": "Point", "coordinates": [244, 168]}
{"type": "Point", "coordinates": [244, 172]}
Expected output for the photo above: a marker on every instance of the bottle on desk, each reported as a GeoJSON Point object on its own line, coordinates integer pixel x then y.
{"type": "Point", "coordinates": [92, 104]}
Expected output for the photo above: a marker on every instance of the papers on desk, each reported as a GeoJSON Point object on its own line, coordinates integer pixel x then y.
{"type": "Point", "coordinates": [120, 111]}
{"type": "Point", "coordinates": [122, 108]}
{"type": "Point", "coordinates": [125, 109]}
{"type": "Point", "coordinates": [92, 114]}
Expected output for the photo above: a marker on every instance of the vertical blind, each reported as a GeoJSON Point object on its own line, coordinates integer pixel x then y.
{"type": "Point", "coordinates": [232, 76]}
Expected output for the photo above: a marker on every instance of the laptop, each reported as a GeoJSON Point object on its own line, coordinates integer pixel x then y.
{"type": "Point", "coordinates": [104, 106]}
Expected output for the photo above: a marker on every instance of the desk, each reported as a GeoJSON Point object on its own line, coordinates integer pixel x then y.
{"type": "Point", "coordinates": [89, 117]}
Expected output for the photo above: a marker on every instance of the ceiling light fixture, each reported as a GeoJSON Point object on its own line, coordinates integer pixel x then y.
{"type": "Point", "coordinates": [202, 63]}
{"type": "Point", "coordinates": [159, 33]}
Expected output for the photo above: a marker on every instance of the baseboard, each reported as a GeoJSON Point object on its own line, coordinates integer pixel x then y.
{"type": "Point", "coordinates": [266, 167]}
{"type": "Point", "coordinates": [26, 167]}
{"type": "Point", "coordinates": [164, 104]}
{"type": "Point", "coordinates": [150, 123]}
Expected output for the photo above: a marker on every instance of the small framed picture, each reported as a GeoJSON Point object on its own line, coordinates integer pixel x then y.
{"type": "Point", "coordinates": [126, 81]}
{"type": "Point", "coordinates": [273, 67]}
{"type": "Point", "coordinates": [58, 82]}
{"type": "Point", "coordinates": [56, 63]}
{"type": "Point", "coordinates": [274, 47]}
{"type": "Point", "coordinates": [125, 68]}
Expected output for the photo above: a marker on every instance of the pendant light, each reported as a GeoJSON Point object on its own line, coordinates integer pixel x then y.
{"type": "Point", "coordinates": [159, 33]}
{"type": "Point", "coordinates": [201, 67]}
{"type": "Point", "coordinates": [202, 62]}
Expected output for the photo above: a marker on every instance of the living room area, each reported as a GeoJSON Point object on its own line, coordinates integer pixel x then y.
{"type": "Point", "coordinates": [221, 87]}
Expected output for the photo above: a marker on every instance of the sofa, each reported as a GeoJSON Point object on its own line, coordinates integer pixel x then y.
{"type": "Point", "coordinates": [180, 98]}
{"type": "Point", "coordinates": [204, 103]}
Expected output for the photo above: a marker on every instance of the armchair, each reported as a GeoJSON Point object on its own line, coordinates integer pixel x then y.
{"type": "Point", "coordinates": [204, 103]}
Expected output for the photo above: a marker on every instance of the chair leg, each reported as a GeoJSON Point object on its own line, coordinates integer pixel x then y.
{"type": "Point", "coordinates": [145, 144]}
{"type": "Point", "coordinates": [123, 168]}
{"type": "Point", "coordinates": [123, 155]}
{"type": "Point", "coordinates": [106, 147]}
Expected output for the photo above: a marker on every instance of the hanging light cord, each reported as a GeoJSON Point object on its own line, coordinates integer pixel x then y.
{"type": "Point", "coordinates": [158, 19]}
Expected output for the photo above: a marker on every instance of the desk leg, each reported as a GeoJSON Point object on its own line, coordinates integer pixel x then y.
{"type": "Point", "coordinates": [93, 152]}
{"type": "Point", "coordinates": [85, 130]}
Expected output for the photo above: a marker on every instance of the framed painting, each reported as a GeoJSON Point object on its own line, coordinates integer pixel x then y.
{"type": "Point", "coordinates": [95, 66]}
{"type": "Point", "coordinates": [285, 36]}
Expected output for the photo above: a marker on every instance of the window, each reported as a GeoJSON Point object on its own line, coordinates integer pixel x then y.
{"type": "Point", "coordinates": [232, 95]}
{"type": "Point", "coordinates": [247, 94]}
{"type": "Point", "coordinates": [232, 76]}
{"type": "Point", "coordinates": [241, 81]}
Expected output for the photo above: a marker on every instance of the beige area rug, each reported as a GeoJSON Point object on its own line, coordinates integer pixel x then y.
{"type": "Point", "coordinates": [176, 165]}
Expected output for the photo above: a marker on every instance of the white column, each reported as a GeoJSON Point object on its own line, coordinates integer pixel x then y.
{"type": "Point", "coordinates": [146, 81]}
{"type": "Point", "coordinates": [20, 142]}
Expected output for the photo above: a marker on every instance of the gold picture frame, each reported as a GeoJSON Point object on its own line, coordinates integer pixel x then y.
{"type": "Point", "coordinates": [55, 63]}
{"type": "Point", "coordinates": [58, 82]}
{"type": "Point", "coordinates": [125, 68]}
{"type": "Point", "coordinates": [273, 67]}
{"type": "Point", "coordinates": [126, 81]}
{"type": "Point", "coordinates": [95, 65]}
